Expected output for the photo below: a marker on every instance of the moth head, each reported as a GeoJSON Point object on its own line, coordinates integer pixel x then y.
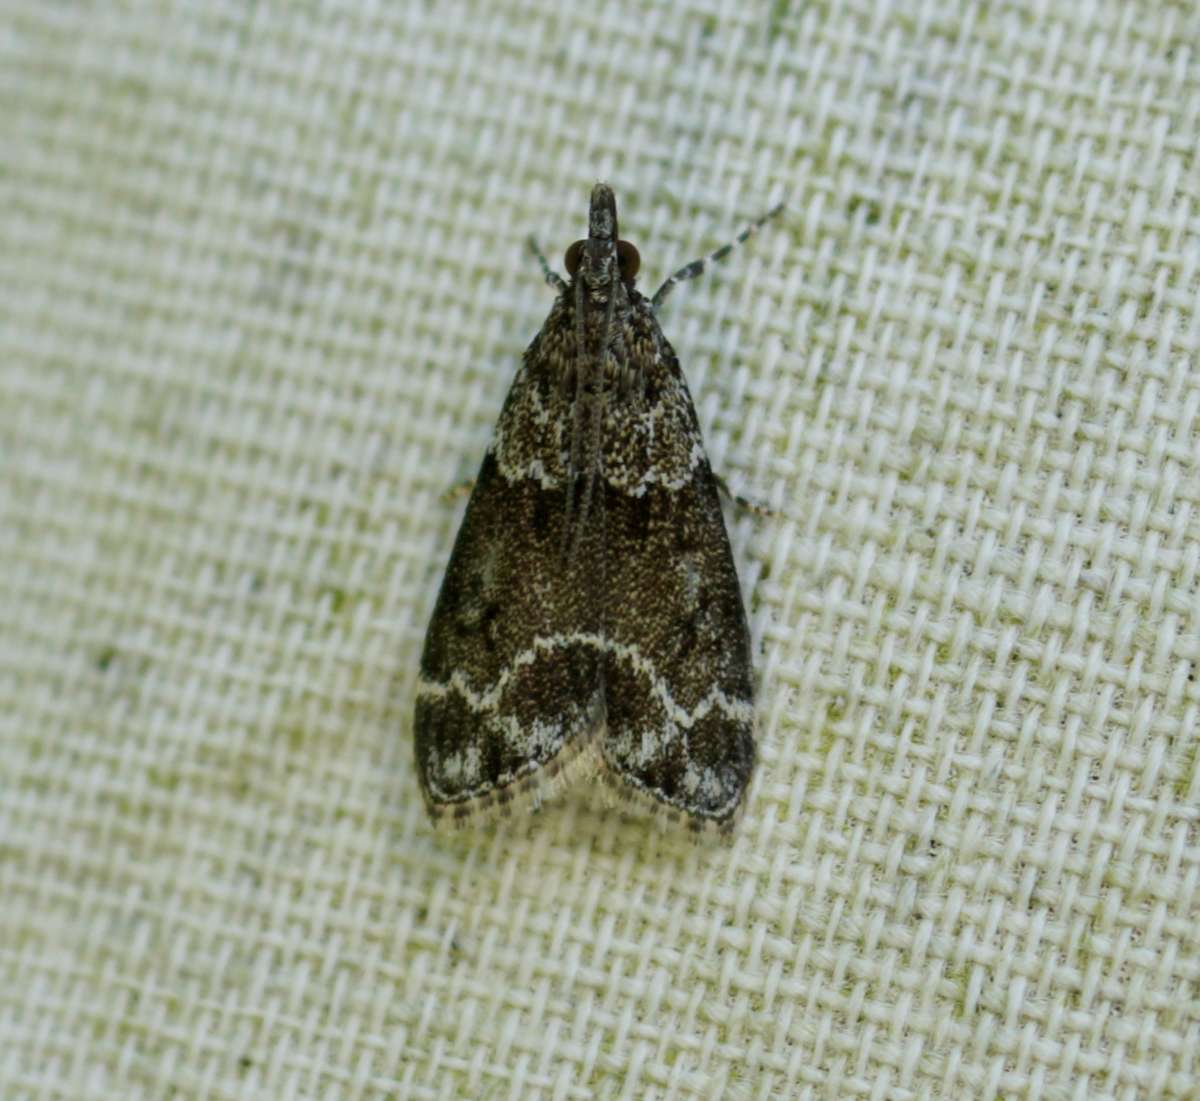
{"type": "Point", "coordinates": [593, 257]}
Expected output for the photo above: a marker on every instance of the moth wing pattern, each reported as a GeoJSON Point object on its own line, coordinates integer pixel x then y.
{"type": "Point", "coordinates": [590, 615]}
{"type": "Point", "coordinates": [678, 679]}
{"type": "Point", "coordinates": [510, 693]}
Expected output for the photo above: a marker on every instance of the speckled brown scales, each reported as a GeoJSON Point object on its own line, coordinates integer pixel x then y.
{"type": "Point", "coordinates": [590, 616]}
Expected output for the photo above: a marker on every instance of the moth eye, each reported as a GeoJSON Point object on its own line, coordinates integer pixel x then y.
{"type": "Point", "coordinates": [628, 259]}
{"type": "Point", "coordinates": [571, 260]}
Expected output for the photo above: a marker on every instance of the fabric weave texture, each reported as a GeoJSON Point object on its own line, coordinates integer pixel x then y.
{"type": "Point", "coordinates": [263, 286]}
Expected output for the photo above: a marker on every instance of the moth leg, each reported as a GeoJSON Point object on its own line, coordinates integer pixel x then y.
{"type": "Point", "coordinates": [458, 491]}
{"type": "Point", "coordinates": [747, 503]}
{"type": "Point", "coordinates": [697, 267]}
{"type": "Point", "coordinates": [552, 277]}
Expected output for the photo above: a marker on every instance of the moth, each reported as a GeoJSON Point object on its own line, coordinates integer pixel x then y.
{"type": "Point", "coordinates": [590, 619]}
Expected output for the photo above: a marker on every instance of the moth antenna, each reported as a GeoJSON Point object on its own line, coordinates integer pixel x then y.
{"type": "Point", "coordinates": [697, 267]}
{"type": "Point", "coordinates": [549, 274]}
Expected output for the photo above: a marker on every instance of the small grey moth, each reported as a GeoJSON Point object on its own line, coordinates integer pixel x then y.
{"type": "Point", "coordinates": [590, 619]}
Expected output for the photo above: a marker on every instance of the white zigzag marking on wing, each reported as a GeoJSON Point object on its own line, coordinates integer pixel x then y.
{"type": "Point", "coordinates": [489, 700]}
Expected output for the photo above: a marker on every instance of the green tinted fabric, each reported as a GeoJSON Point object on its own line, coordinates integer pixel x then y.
{"type": "Point", "coordinates": [263, 286]}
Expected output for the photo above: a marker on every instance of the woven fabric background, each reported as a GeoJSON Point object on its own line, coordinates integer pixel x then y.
{"type": "Point", "coordinates": [263, 286]}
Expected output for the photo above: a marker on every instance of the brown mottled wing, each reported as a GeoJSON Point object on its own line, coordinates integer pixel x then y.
{"type": "Point", "coordinates": [511, 671]}
{"type": "Point", "coordinates": [678, 677]}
